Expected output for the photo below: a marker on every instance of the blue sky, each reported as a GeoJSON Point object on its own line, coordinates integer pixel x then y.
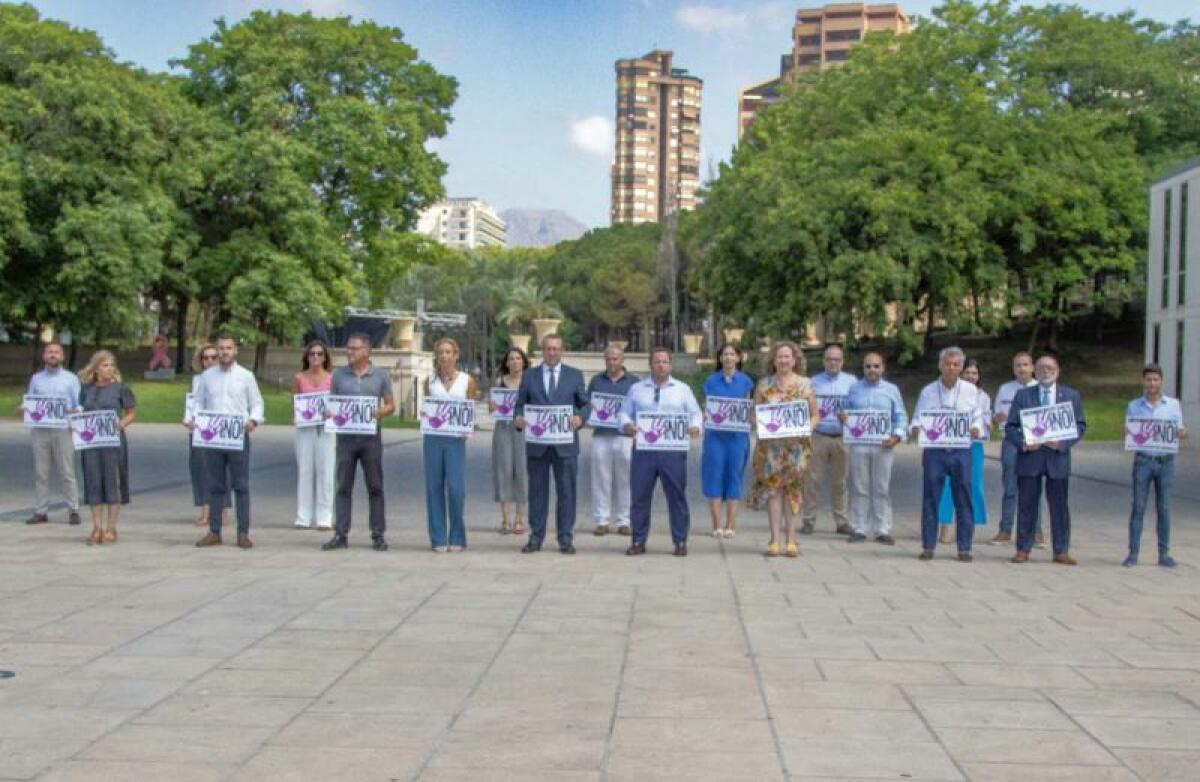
{"type": "Point", "coordinates": [532, 126]}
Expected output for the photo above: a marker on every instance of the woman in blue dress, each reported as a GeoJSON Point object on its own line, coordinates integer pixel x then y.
{"type": "Point", "coordinates": [725, 453]}
{"type": "Point", "coordinates": [972, 374]}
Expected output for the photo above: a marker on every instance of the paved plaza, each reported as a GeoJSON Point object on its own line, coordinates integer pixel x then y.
{"type": "Point", "coordinates": [153, 660]}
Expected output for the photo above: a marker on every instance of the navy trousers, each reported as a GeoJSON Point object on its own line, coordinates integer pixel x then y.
{"type": "Point", "coordinates": [938, 464]}
{"type": "Point", "coordinates": [565, 468]}
{"type": "Point", "coordinates": [646, 468]}
{"type": "Point", "coordinates": [228, 470]}
{"type": "Point", "coordinates": [1029, 495]}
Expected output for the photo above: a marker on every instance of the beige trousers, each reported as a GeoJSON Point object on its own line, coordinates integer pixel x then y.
{"type": "Point", "coordinates": [53, 449]}
{"type": "Point", "coordinates": [827, 469]}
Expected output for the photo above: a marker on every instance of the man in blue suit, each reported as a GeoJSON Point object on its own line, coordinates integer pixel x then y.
{"type": "Point", "coordinates": [553, 383]}
{"type": "Point", "coordinates": [1050, 461]}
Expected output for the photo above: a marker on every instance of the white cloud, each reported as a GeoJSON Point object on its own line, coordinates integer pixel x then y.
{"type": "Point", "coordinates": [593, 135]}
{"type": "Point", "coordinates": [711, 19]}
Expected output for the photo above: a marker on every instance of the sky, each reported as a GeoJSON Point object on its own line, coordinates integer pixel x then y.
{"type": "Point", "coordinates": [533, 122]}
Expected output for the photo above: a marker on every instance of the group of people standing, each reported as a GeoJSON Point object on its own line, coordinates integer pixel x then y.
{"type": "Point", "coordinates": [788, 473]}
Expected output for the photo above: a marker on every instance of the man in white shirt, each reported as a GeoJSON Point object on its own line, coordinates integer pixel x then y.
{"type": "Point", "coordinates": [949, 393]}
{"type": "Point", "coordinates": [1022, 365]}
{"type": "Point", "coordinates": [1153, 469]}
{"type": "Point", "coordinates": [52, 448]}
{"type": "Point", "coordinates": [664, 394]}
{"type": "Point", "coordinates": [228, 387]}
{"type": "Point", "coordinates": [830, 460]}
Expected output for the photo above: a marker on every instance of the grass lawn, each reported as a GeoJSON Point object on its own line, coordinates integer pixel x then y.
{"type": "Point", "coordinates": [161, 402]}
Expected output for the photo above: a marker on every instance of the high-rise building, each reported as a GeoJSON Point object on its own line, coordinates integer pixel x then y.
{"type": "Point", "coordinates": [821, 38]}
{"type": "Point", "coordinates": [462, 223]}
{"type": "Point", "coordinates": [656, 169]}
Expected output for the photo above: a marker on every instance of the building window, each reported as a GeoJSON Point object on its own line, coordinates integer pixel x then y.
{"type": "Point", "coordinates": [1166, 253]}
{"type": "Point", "coordinates": [1179, 359]}
{"type": "Point", "coordinates": [837, 56]}
{"type": "Point", "coordinates": [843, 35]}
{"type": "Point", "coordinates": [1156, 344]}
{"type": "Point", "coordinates": [810, 40]}
{"type": "Point", "coordinates": [1183, 221]}
{"type": "Point", "coordinates": [808, 59]}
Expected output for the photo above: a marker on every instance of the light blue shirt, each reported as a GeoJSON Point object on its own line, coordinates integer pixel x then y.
{"type": "Point", "coordinates": [674, 396]}
{"type": "Point", "coordinates": [1167, 409]}
{"type": "Point", "coordinates": [879, 396]}
{"type": "Point", "coordinates": [60, 383]}
{"type": "Point", "coordinates": [828, 390]}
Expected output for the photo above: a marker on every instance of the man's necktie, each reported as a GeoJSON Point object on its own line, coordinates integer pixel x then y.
{"type": "Point", "coordinates": [553, 380]}
{"type": "Point", "coordinates": [1045, 397]}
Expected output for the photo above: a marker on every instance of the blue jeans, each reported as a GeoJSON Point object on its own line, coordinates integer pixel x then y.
{"type": "Point", "coordinates": [938, 464]}
{"type": "Point", "coordinates": [1008, 506]}
{"type": "Point", "coordinates": [228, 470]}
{"type": "Point", "coordinates": [978, 502]}
{"type": "Point", "coordinates": [445, 478]}
{"type": "Point", "coordinates": [646, 468]}
{"type": "Point", "coordinates": [1158, 471]}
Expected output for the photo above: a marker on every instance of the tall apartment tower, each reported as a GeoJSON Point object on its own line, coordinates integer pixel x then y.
{"type": "Point", "coordinates": [462, 223]}
{"type": "Point", "coordinates": [821, 38]}
{"type": "Point", "coordinates": [656, 169]}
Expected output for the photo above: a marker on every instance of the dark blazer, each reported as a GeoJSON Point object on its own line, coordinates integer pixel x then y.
{"type": "Point", "coordinates": [570, 390]}
{"type": "Point", "coordinates": [1042, 461]}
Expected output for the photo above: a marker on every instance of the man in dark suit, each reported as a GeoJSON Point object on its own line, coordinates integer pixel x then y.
{"type": "Point", "coordinates": [1050, 461]}
{"type": "Point", "coordinates": [553, 383]}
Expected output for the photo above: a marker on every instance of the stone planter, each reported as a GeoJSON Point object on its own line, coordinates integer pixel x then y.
{"type": "Point", "coordinates": [520, 341]}
{"type": "Point", "coordinates": [544, 327]}
{"type": "Point", "coordinates": [692, 342]}
{"type": "Point", "coordinates": [734, 335]}
{"type": "Point", "coordinates": [402, 333]}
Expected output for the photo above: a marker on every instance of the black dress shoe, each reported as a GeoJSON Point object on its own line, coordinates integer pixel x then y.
{"type": "Point", "coordinates": [379, 544]}
{"type": "Point", "coordinates": [681, 549]}
{"type": "Point", "coordinates": [567, 549]}
{"type": "Point", "coordinates": [856, 537]}
{"type": "Point", "coordinates": [635, 549]}
{"type": "Point", "coordinates": [965, 556]}
{"type": "Point", "coordinates": [886, 540]}
{"type": "Point", "coordinates": [531, 547]}
{"type": "Point", "coordinates": [927, 554]}
{"type": "Point", "coordinates": [337, 541]}
{"type": "Point", "coordinates": [73, 519]}
{"type": "Point", "coordinates": [37, 518]}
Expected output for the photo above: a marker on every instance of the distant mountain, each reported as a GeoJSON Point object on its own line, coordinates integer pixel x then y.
{"type": "Point", "coordinates": [540, 227]}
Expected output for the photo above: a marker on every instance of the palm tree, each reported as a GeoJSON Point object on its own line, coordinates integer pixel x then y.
{"type": "Point", "coordinates": [526, 302]}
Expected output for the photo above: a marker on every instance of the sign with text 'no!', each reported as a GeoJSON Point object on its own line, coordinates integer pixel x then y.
{"type": "Point", "coordinates": [549, 424]}
{"type": "Point", "coordinates": [351, 414]}
{"type": "Point", "coordinates": [220, 431]}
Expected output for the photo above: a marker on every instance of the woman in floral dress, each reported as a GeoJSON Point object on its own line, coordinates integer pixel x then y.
{"type": "Point", "coordinates": [780, 465]}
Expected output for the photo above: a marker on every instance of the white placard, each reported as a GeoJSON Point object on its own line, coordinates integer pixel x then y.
{"type": "Point", "coordinates": [221, 431]}
{"type": "Point", "coordinates": [95, 429]}
{"type": "Point", "coordinates": [944, 428]}
{"type": "Point", "coordinates": [309, 409]}
{"type": "Point", "coordinates": [829, 405]}
{"type": "Point", "coordinates": [662, 432]}
{"type": "Point", "coordinates": [504, 400]}
{"type": "Point", "coordinates": [606, 409]}
{"type": "Point", "coordinates": [782, 419]}
{"type": "Point", "coordinates": [189, 407]}
{"type": "Point", "coordinates": [866, 427]}
{"type": "Point", "coordinates": [351, 414]}
{"type": "Point", "coordinates": [1049, 424]}
{"type": "Point", "coordinates": [45, 412]}
{"type": "Point", "coordinates": [447, 417]}
{"type": "Point", "coordinates": [727, 414]}
{"type": "Point", "coordinates": [549, 424]}
{"type": "Point", "coordinates": [1156, 436]}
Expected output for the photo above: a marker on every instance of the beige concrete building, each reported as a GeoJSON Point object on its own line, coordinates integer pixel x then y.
{"type": "Point", "coordinates": [656, 168]}
{"type": "Point", "coordinates": [462, 223]}
{"type": "Point", "coordinates": [821, 38]}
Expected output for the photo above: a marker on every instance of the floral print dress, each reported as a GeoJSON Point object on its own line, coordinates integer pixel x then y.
{"type": "Point", "coordinates": [781, 465]}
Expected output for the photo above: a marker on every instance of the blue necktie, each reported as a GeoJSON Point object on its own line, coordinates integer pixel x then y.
{"type": "Point", "coordinates": [1045, 397]}
{"type": "Point", "coordinates": [553, 380]}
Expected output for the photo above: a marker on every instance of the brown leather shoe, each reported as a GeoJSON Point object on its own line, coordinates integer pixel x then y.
{"type": "Point", "coordinates": [624, 531]}
{"type": "Point", "coordinates": [211, 539]}
{"type": "Point", "coordinates": [1064, 559]}
{"type": "Point", "coordinates": [244, 541]}
{"type": "Point", "coordinates": [1020, 557]}
{"type": "Point", "coordinates": [1002, 537]}
{"type": "Point", "coordinates": [601, 530]}
{"type": "Point", "coordinates": [37, 518]}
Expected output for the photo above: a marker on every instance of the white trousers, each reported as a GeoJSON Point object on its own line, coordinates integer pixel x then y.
{"type": "Point", "coordinates": [610, 479]}
{"type": "Point", "coordinates": [53, 450]}
{"type": "Point", "coordinates": [315, 460]}
{"type": "Point", "coordinates": [870, 486]}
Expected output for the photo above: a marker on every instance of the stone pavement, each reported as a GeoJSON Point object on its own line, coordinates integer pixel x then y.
{"type": "Point", "coordinates": [152, 659]}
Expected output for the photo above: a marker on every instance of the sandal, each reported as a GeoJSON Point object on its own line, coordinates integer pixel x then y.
{"type": "Point", "coordinates": [505, 529]}
{"type": "Point", "coordinates": [96, 538]}
{"type": "Point", "coordinates": [519, 529]}
{"type": "Point", "coordinates": [729, 533]}
{"type": "Point", "coordinates": [792, 549]}
{"type": "Point", "coordinates": [772, 549]}
{"type": "Point", "coordinates": [110, 535]}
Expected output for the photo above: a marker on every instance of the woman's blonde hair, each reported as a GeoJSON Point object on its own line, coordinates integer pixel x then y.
{"type": "Point", "coordinates": [446, 341]}
{"type": "Point", "coordinates": [203, 346]}
{"type": "Point", "coordinates": [88, 375]}
{"type": "Point", "coordinates": [796, 353]}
